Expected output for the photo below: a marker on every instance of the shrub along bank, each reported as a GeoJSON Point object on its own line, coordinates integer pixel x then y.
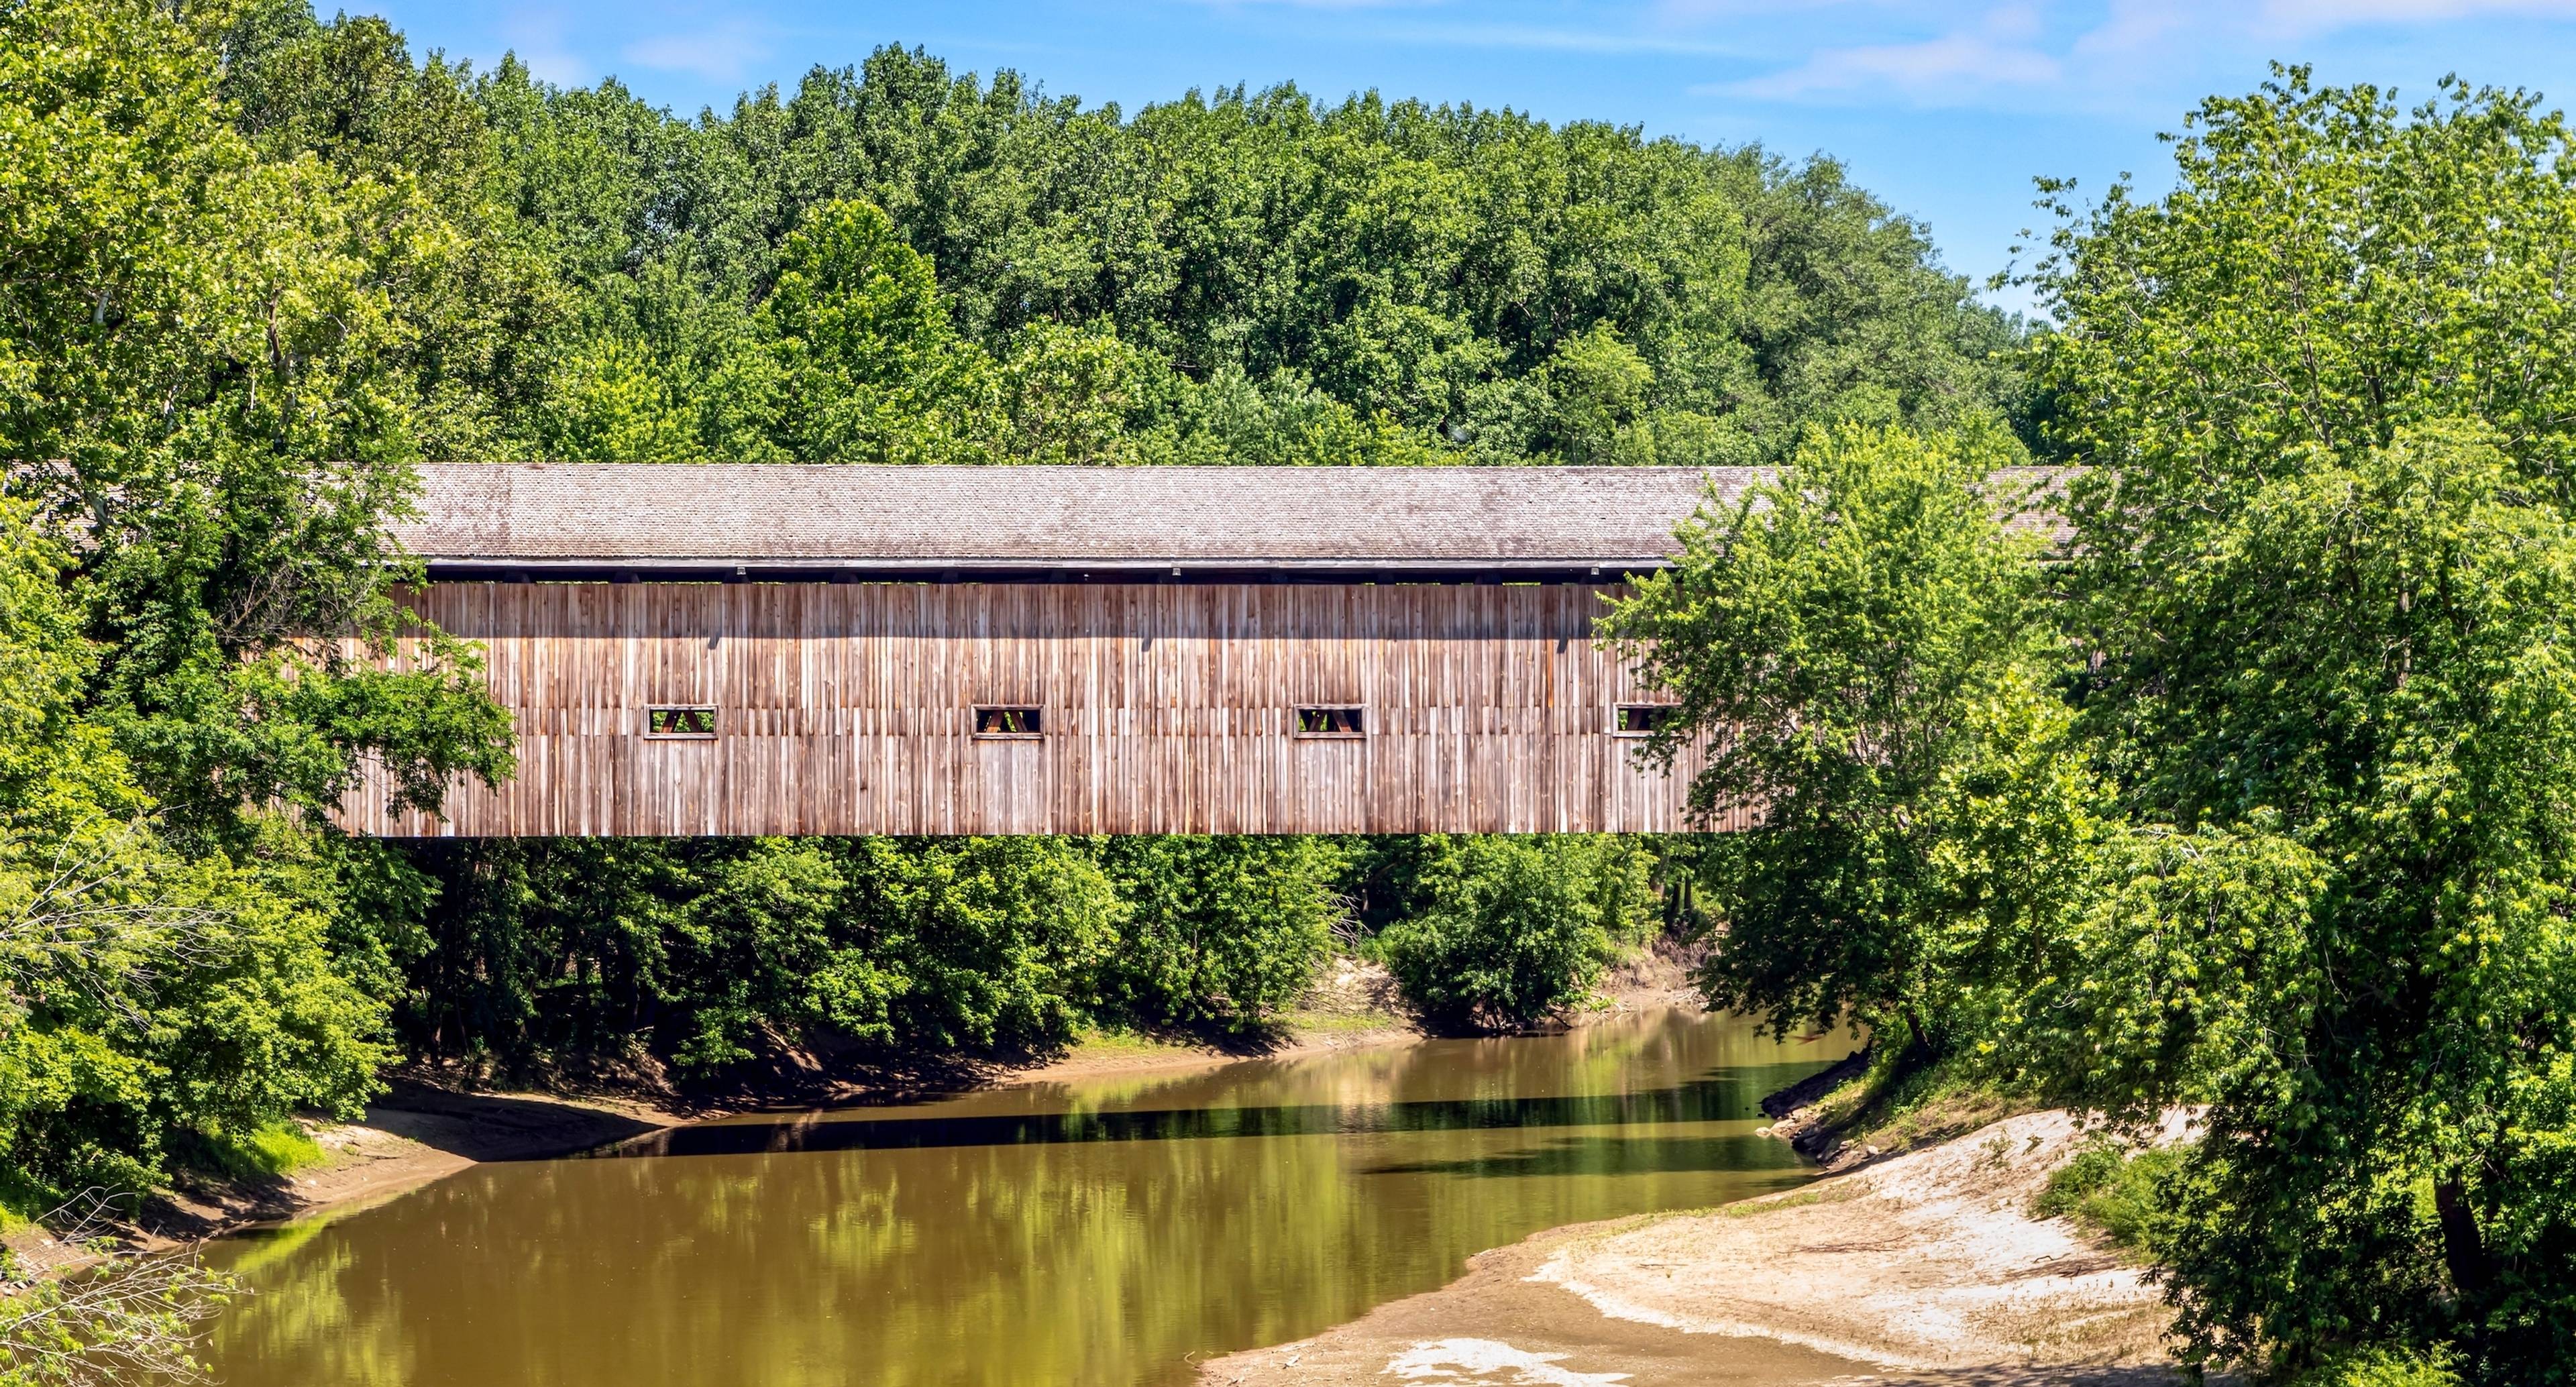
{"type": "Point", "coordinates": [537, 952]}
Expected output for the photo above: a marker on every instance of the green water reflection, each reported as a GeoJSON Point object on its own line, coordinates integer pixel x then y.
{"type": "Point", "coordinates": [1095, 1232]}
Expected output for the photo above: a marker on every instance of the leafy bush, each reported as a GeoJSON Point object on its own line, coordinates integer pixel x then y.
{"type": "Point", "coordinates": [2113, 1189]}
{"type": "Point", "coordinates": [1223, 930]}
{"type": "Point", "coordinates": [1512, 930]}
{"type": "Point", "coordinates": [273, 1148]}
{"type": "Point", "coordinates": [997, 941]}
{"type": "Point", "coordinates": [2381, 1367]}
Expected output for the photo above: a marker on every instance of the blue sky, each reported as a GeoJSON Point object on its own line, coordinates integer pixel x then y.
{"type": "Point", "coordinates": [1946, 110]}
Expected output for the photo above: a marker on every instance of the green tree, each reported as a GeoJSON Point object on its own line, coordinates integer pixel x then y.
{"type": "Point", "coordinates": [1508, 931]}
{"type": "Point", "coordinates": [1379, 268]}
{"type": "Point", "coordinates": [144, 995]}
{"type": "Point", "coordinates": [199, 358]}
{"type": "Point", "coordinates": [2326, 272]}
{"type": "Point", "coordinates": [759, 943]}
{"type": "Point", "coordinates": [2362, 957]}
{"type": "Point", "coordinates": [2326, 388]}
{"type": "Point", "coordinates": [1227, 930]}
{"type": "Point", "coordinates": [1860, 646]}
{"type": "Point", "coordinates": [872, 368]}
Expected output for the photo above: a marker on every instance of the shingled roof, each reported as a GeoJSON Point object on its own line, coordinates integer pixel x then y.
{"type": "Point", "coordinates": [680, 520]}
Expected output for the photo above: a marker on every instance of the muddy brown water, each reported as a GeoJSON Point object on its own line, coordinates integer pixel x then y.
{"type": "Point", "coordinates": [1110, 1230]}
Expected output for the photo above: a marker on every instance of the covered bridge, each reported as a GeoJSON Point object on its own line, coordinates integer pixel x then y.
{"type": "Point", "coordinates": [766, 649]}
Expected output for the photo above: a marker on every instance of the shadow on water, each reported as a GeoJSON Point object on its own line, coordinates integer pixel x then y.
{"type": "Point", "coordinates": [1727, 1095]}
{"type": "Point", "coordinates": [1620, 1155]}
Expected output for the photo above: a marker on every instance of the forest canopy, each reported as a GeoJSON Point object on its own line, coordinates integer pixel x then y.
{"type": "Point", "coordinates": [902, 262]}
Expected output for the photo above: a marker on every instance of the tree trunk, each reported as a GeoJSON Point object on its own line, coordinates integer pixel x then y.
{"type": "Point", "coordinates": [2464, 1250]}
{"type": "Point", "coordinates": [1920, 1050]}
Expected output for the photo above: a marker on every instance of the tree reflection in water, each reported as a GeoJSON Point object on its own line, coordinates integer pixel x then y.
{"type": "Point", "coordinates": [1093, 1232]}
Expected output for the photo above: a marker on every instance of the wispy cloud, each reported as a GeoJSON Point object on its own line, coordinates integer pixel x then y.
{"type": "Point", "coordinates": [1999, 49]}
{"type": "Point", "coordinates": [1545, 39]}
{"type": "Point", "coordinates": [2060, 54]}
{"type": "Point", "coordinates": [1932, 69]}
{"type": "Point", "coordinates": [720, 54]}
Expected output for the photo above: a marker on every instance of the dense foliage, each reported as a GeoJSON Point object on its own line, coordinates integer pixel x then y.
{"type": "Point", "coordinates": [2334, 605]}
{"type": "Point", "coordinates": [259, 264]}
{"type": "Point", "coordinates": [555, 950]}
{"type": "Point", "coordinates": [901, 262]}
{"type": "Point", "coordinates": [1867, 628]}
{"type": "Point", "coordinates": [1507, 930]}
{"type": "Point", "coordinates": [706, 953]}
{"type": "Point", "coordinates": [2276, 818]}
{"type": "Point", "coordinates": [202, 438]}
{"type": "Point", "coordinates": [144, 992]}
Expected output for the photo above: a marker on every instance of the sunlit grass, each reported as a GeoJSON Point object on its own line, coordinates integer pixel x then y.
{"type": "Point", "coordinates": [1116, 1043]}
{"type": "Point", "coordinates": [1771, 1204]}
{"type": "Point", "coordinates": [1343, 1022]}
{"type": "Point", "coordinates": [2112, 1188]}
{"type": "Point", "coordinates": [278, 1148]}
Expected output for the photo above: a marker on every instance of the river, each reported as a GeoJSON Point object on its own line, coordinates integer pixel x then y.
{"type": "Point", "coordinates": [1105, 1231]}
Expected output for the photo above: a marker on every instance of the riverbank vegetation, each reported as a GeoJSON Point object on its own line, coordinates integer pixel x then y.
{"type": "Point", "coordinates": [2234, 773]}
{"type": "Point", "coordinates": [2255, 796]}
{"type": "Point", "coordinates": [268, 262]}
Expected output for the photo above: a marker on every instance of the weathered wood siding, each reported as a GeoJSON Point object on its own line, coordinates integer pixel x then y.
{"type": "Point", "coordinates": [847, 709]}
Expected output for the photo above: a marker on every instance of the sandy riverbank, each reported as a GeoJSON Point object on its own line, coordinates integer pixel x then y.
{"type": "Point", "coordinates": [1922, 1268]}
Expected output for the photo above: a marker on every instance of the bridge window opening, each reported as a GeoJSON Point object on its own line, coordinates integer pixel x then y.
{"type": "Point", "coordinates": [1644, 719]}
{"type": "Point", "coordinates": [1330, 721]}
{"type": "Point", "coordinates": [1013, 721]}
{"type": "Point", "coordinates": [681, 722]}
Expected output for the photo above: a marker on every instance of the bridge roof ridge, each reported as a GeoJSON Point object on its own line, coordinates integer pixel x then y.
{"type": "Point", "coordinates": [770, 515]}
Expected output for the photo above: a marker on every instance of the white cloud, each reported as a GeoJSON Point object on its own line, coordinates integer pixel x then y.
{"type": "Point", "coordinates": [2061, 54]}
{"type": "Point", "coordinates": [1932, 68]}
{"type": "Point", "coordinates": [1999, 49]}
{"type": "Point", "coordinates": [2134, 26]}
{"type": "Point", "coordinates": [716, 55]}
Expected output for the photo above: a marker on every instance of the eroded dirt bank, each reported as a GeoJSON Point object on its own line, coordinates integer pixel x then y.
{"type": "Point", "coordinates": [1924, 1267]}
{"type": "Point", "coordinates": [413, 1134]}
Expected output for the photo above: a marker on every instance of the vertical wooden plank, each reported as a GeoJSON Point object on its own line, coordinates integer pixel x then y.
{"type": "Point", "coordinates": [844, 709]}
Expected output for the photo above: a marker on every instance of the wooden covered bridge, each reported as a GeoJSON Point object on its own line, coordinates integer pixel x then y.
{"type": "Point", "coordinates": [719, 649]}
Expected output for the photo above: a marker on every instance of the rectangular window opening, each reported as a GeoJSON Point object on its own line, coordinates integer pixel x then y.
{"type": "Point", "coordinates": [1330, 721]}
{"type": "Point", "coordinates": [1013, 721]}
{"type": "Point", "coordinates": [1644, 719]}
{"type": "Point", "coordinates": [684, 722]}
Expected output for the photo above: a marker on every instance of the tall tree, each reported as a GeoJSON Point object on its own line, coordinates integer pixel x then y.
{"type": "Point", "coordinates": [1860, 645]}
{"type": "Point", "coordinates": [2321, 553]}
{"type": "Point", "coordinates": [195, 380]}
